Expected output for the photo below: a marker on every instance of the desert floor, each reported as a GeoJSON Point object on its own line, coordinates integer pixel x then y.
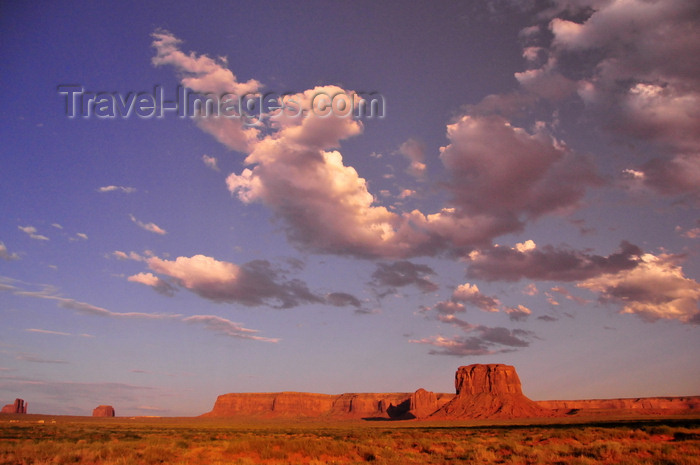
{"type": "Point", "coordinates": [42, 439]}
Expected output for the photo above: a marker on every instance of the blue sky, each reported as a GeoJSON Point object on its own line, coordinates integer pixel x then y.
{"type": "Point", "coordinates": [529, 196]}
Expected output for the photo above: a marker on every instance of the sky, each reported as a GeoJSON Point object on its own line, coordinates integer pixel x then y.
{"type": "Point", "coordinates": [524, 191]}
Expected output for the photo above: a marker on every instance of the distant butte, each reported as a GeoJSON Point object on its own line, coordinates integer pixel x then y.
{"type": "Point", "coordinates": [19, 406]}
{"type": "Point", "coordinates": [103, 411]}
{"type": "Point", "coordinates": [482, 391]}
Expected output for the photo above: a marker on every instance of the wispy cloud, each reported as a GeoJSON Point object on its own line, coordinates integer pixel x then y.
{"type": "Point", "coordinates": [227, 327]}
{"type": "Point", "coordinates": [37, 359]}
{"type": "Point", "coordinates": [150, 227]}
{"type": "Point", "coordinates": [6, 254]}
{"type": "Point", "coordinates": [211, 162]}
{"type": "Point", "coordinates": [31, 231]}
{"type": "Point", "coordinates": [46, 331]}
{"type": "Point", "coordinates": [124, 189]}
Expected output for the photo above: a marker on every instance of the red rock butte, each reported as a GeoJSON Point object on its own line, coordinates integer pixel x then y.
{"type": "Point", "coordinates": [482, 391]}
{"type": "Point", "coordinates": [490, 391]}
{"type": "Point", "coordinates": [19, 406]}
{"type": "Point", "coordinates": [103, 411]}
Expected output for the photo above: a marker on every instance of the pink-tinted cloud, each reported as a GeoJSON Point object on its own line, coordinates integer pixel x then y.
{"type": "Point", "coordinates": [469, 294]}
{"type": "Point", "coordinates": [518, 313]}
{"type": "Point", "coordinates": [150, 227]}
{"type": "Point", "coordinates": [211, 162]}
{"type": "Point", "coordinates": [207, 75]}
{"type": "Point", "coordinates": [403, 273]}
{"type": "Point", "coordinates": [548, 263]}
{"type": "Point", "coordinates": [252, 284]}
{"type": "Point", "coordinates": [505, 172]}
{"type": "Point", "coordinates": [500, 175]}
{"type": "Point", "coordinates": [656, 289]}
{"type": "Point", "coordinates": [414, 151]}
{"type": "Point", "coordinates": [637, 80]}
{"type": "Point", "coordinates": [484, 341]}
{"type": "Point", "coordinates": [149, 279]}
{"type": "Point", "coordinates": [227, 327]}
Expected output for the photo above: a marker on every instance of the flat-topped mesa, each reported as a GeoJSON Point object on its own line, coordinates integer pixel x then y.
{"type": "Point", "coordinates": [103, 411]}
{"type": "Point", "coordinates": [494, 379]}
{"type": "Point", "coordinates": [490, 391]}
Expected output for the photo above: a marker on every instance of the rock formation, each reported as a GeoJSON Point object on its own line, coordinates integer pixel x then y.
{"type": "Point", "coordinates": [482, 391]}
{"type": "Point", "coordinates": [638, 405]}
{"type": "Point", "coordinates": [302, 404]}
{"type": "Point", "coordinates": [103, 411]}
{"type": "Point", "coordinates": [19, 406]}
{"type": "Point", "coordinates": [490, 391]}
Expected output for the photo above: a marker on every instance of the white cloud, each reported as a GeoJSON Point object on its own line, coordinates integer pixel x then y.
{"type": "Point", "coordinates": [32, 232]}
{"type": "Point", "coordinates": [111, 188]}
{"type": "Point", "coordinates": [150, 227]}
{"type": "Point", "coordinates": [6, 254]}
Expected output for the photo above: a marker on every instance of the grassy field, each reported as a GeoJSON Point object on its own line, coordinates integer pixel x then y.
{"type": "Point", "coordinates": [34, 439]}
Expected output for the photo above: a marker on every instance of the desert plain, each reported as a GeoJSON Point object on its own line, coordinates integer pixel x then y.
{"type": "Point", "coordinates": [487, 421]}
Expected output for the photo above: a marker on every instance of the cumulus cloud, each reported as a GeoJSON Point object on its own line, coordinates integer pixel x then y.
{"type": "Point", "coordinates": [149, 279]}
{"type": "Point", "coordinates": [252, 284]}
{"type": "Point", "coordinates": [414, 151]}
{"type": "Point", "coordinates": [6, 254]}
{"type": "Point", "coordinates": [640, 79]}
{"type": "Point", "coordinates": [469, 294]}
{"type": "Point", "coordinates": [343, 299]}
{"type": "Point", "coordinates": [506, 173]}
{"type": "Point", "coordinates": [548, 263]}
{"type": "Point", "coordinates": [211, 162]}
{"type": "Point", "coordinates": [294, 168]}
{"type": "Point", "coordinates": [656, 289]}
{"type": "Point", "coordinates": [150, 227]}
{"type": "Point", "coordinates": [227, 327]}
{"type": "Point", "coordinates": [403, 273]}
{"type": "Point", "coordinates": [112, 188]}
{"type": "Point", "coordinates": [518, 313]}
{"type": "Point", "coordinates": [478, 340]}
{"type": "Point", "coordinates": [207, 75]}
{"type": "Point", "coordinates": [31, 231]}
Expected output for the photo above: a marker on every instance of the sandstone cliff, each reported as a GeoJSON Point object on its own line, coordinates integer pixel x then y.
{"type": "Point", "coordinates": [490, 391]}
{"type": "Point", "coordinates": [103, 411]}
{"type": "Point", "coordinates": [638, 405]}
{"type": "Point", "coordinates": [302, 404]}
{"type": "Point", "coordinates": [482, 391]}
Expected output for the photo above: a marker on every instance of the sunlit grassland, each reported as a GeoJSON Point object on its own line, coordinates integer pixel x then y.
{"type": "Point", "coordinates": [34, 439]}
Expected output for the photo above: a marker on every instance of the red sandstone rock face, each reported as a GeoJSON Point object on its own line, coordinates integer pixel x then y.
{"type": "Point", "coordinates": [490, 391]}
{"type": "Point", "coordinates": [103, 411]}
{"type": "Point", "coordinates": [483, 391]}
{"type": "Point", "coordinates": [302, 404]}
{"type": "Point", "coordinates": [19, 406]}
{"type": "Point", "coordinates": [493, 379]}
{"type": "Point", "coordinates": [639, 405]}
{"type": "Point", "coordinates": [423, 403]}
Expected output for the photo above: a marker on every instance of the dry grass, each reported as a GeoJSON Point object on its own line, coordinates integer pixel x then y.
{"type": "Point", "coordinates": [120, 441]}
